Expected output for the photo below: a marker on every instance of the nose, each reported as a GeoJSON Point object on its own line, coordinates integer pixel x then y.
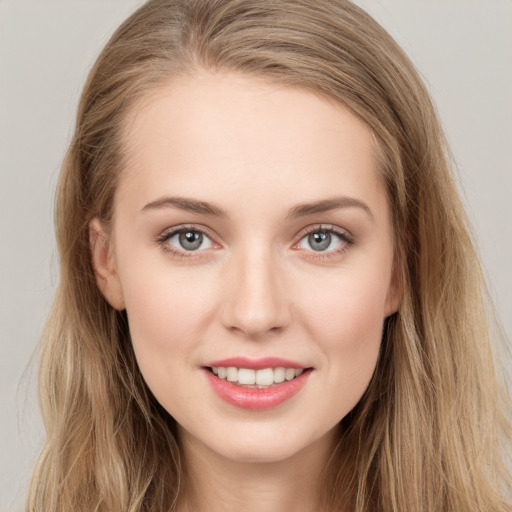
{"type": "Point", "coordinates": [255, 302]}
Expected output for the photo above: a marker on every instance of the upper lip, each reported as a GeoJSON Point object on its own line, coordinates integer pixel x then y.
{"type": "Point", "coordinates": [256, 364]}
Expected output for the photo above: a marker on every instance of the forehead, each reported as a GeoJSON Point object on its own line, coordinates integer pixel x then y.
{"type": "Point", "coordinates": [219, 136]}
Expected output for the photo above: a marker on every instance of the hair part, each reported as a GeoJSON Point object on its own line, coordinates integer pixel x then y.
{"type": "Point", "coordinates": [428, 433]}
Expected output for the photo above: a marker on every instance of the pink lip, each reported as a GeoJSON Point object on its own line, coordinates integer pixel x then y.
{"type": "Point", "coordinates": [256, 364]}
{"type": "Point", "coordinates": [255, 399]}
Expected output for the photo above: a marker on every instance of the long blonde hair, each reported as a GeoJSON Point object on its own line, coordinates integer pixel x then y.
{"type": "Point", "coordinates": [429, 434]}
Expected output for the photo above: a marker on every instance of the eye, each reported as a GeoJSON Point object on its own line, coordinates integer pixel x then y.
{"type": "Point", "coordinates": [187, 239]}
{"type": "Point", "coordinates": [326, 240]}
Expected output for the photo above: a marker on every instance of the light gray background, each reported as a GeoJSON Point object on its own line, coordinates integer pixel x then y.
{"type": "Point", "coordinates": [463, 48]}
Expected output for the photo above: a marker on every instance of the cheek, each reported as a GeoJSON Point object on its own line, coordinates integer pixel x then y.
{"type": "Point", "coordinates": [165, 310]}
{"type": "Point", "coordinates": [352, 343]}
{"type": "Point", "coordinates": [346, 321]}
{"type": "Point", "coordinates": [349, 309]}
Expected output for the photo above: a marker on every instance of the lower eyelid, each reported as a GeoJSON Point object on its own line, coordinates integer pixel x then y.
{"type": "Point", "coordinates": [345, 241]}
{"type": "Point", "coordinates": [163, 240]}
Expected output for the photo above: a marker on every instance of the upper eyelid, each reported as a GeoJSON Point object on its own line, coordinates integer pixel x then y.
{"type": "Point", "coordinates": [345, 236]}
{"type": "Point", "coordinates": [163, 239]}
{"type": "Point", "coordinates": [343, 233]}
{"type": "Point", "coordinates": [203, 229]}
{"type": "Point", "coordinates": [187, 227]}
{"type": "Point", "coordinates": [325, 227]}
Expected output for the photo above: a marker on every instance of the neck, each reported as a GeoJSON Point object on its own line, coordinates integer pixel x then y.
{"type": "Point", "coordinates": [214, 483]}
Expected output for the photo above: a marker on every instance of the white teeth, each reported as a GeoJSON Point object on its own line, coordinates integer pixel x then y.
{"type": "Point", "coordinates": [246, 376]}
{"type": "Point", "coordinates": [279, 374]}
{"type": "Point", "coordinates": [289, 374]}
{"type": "Point", "coordinates": [256, 378]}
{"type": "Point", "coordinates": [265, 377]}
{"type": "Point", "coordinates": [232, 374]}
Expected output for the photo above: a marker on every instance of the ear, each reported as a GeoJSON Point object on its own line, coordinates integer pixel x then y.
{"type": "Point", "coordinates": [395, 290]}
{"type": "Point", "coordinates": [104, 266]}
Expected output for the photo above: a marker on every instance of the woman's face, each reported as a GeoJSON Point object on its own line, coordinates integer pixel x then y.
{"type": "Point", "coordinates": [251, 239]}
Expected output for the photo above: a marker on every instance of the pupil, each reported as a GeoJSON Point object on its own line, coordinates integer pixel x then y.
{"type": "Point", "coordinates": [191, 240]}
{"type": "Point", "coordinates": [319, 241]}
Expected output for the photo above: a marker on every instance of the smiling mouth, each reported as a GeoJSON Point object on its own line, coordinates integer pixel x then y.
{"type": "Point", "coordinates": [256, 379]}
{"type": "Point", "coordinates": [256, 384]}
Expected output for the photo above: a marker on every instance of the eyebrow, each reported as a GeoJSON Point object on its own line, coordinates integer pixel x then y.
{"type": "Point", "coordinates": [300, 210]}
{"type": "Point", "coordinates": [327, 205]}
{"type": "Point", "coordinates": [189, 205]}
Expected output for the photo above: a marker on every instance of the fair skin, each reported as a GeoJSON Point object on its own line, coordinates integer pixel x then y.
{"type": "Point", "coordinates": [259, 275]}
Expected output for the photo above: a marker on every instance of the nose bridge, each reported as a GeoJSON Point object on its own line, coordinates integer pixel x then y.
{"type": "Point", "coordinates": [255, 302]}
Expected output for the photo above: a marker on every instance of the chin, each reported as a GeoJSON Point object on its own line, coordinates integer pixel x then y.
{"type": "Point", "coordinates": [259, 454]}
{"type": "Point", "coordinates": [264, 445]}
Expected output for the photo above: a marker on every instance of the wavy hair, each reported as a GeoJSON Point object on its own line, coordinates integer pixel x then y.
{"type": "Point", "coordinates": [429, 433]}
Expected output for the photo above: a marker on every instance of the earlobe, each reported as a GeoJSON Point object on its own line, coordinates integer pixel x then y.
{"type": "Point", "coordinates": [395, 291]}
{"type": "Point", "coordinates": [103, 263]}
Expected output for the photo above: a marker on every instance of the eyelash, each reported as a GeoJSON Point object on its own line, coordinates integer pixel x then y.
{"type": "Point", "coordinates": [163, 239]}
{"type": "Point", "coordinates": [345, 238]}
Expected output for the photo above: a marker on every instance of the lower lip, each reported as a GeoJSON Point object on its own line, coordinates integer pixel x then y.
{"type": "Point", "coordinates": [255, 399]}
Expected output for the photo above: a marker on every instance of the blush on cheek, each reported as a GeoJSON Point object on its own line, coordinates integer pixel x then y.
{"type": "Point", "coordinates": [353, 340]}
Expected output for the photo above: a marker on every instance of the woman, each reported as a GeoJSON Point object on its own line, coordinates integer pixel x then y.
{"type": "Point", "coordinates": [269, 297]}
